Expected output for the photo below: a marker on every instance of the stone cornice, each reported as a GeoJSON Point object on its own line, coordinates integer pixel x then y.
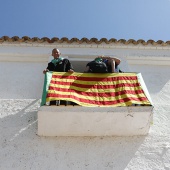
{"type": "Point", "coordinates": [83, 45]}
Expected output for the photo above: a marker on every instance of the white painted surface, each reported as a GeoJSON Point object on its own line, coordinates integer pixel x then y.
{"type": "Point", "coordinates": [21, 148]}
{"type": "Point", "coordinates": [92, 121]}
{"type": "Point", "coordinates": [155, 77]}
{"type": "Point", "coordinates": [21, 80]}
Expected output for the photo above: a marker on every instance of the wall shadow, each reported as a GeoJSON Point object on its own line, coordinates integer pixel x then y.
{"type": "Point", "coordinates": [21, 148]}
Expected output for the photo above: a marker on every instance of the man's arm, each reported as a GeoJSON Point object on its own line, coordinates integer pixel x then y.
{"type": "Point", "coordinates": [112, 61]}
{"type": "Point", "coordinates": [69, 67]}
{"type": "Point", "coordinates": [117, 60]}
{"type": "Point", "coordinates": [47, 69]}
{"type": "Point", "coordinates": [87, 69]}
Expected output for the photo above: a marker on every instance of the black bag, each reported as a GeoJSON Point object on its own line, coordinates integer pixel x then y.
{"type": "Point", "coordinates": [97, 67]}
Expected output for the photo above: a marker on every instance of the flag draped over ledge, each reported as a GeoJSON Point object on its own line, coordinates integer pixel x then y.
{"type": "Point", "coordinates": [94, 89]}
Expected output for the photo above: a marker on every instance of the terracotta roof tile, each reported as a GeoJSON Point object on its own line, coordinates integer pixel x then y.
{"type": "Point", "coordinates": [103, 40]}
{"type": "Point", "coordinates": [94, 40]}
{"type": "Point", "coordinates": [15, 38]}
{"type": "Point", "coordinates": [123, 41]}
{"type": "Point", "coordinates": [54, 39]}
{"type": "Point", "coordinates": [132, 41]}
{"type": "Point", "coordinates": [151, 42]}
{"type": "Point", "coordinates": [140, 41]}
{"type": "Point", "coordinates": [26, 38]}
{"type": "Point", "coordinates": [168, 42]}
{"type": "Point", "coordinates": [74, 40]}
{"type": "Point", "coordinates": [112, 40]}
{"type": "Point", "coordinates": [161, 43]}
{"type": "Point", "coordinates": [35, 39]}
{"type": "Point", "coordinates": [83, 40]}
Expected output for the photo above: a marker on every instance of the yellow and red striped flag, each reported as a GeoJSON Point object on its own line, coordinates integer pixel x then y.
{"type": "Point", "coordinates": [96, 89]}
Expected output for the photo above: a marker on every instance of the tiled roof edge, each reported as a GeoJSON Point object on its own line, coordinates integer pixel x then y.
{"type": "Point", "coordinates": [83, 40]}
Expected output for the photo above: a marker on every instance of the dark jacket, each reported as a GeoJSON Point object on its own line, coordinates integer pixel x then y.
{"type": "Point", "coordinates": [62, 66]}
{"type": "Point", "coordinates": [97, 67]}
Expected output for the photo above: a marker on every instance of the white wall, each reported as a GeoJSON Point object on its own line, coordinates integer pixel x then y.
{"type": "Point", "coordinates": [155, 77]}
{"type": "Point", "coordinates": [21, 148]}
{"type": "Point", "coordinates": [21, 80]}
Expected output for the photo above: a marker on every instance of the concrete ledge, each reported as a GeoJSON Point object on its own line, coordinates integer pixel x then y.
{"type": "Point", "coordinates": [94, 121]}
{"type": "Point", "coordinates": [148, 60]}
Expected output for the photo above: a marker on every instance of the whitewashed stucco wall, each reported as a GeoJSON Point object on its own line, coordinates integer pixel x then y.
{"type": "Point", "coordinates": [21, 78]}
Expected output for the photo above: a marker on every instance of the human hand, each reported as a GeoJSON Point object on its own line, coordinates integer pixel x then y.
{"type": "Point", "coordinates": [46, 70]}
{"type": "Point", "coordinates": [71, 71]}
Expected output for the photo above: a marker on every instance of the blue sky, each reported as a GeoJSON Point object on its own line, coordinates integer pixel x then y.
{"type": "Point", "coordinates": [120, 19]}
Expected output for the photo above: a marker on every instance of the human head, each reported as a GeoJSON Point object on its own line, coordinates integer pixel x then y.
{"type": "Point", "coordinates": [56, 53]}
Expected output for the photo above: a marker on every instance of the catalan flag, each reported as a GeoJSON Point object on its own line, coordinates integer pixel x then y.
{"type": "Point", "coordinates": [96, 89]}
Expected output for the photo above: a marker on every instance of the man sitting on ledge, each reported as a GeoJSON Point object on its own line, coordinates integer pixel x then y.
{"type": "Point", "coordinates": [58, 64]}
